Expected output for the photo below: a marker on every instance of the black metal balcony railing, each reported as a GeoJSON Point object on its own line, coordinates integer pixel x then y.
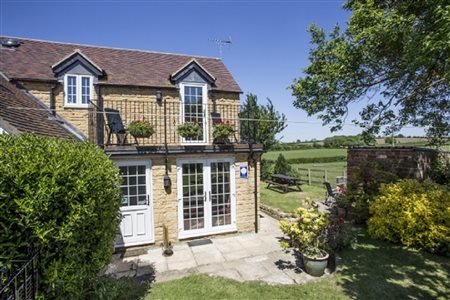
{"type": "Point", "coordinates": [22, 281]}
{"type": "Point", "coordinates": [130, 110]}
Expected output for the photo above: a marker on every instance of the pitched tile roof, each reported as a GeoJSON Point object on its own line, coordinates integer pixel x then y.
{"type": "Point", "coordinates": [24, 113]}
{"type": "Point", "coordinates": [33, 60]}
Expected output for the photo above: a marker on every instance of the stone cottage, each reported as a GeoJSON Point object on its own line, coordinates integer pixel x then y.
{"type": "Point", "coordinates": [193, 185]}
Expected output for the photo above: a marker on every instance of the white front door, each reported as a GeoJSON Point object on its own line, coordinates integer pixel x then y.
{"type": "Point", "coordinates": [136, 227]}
{"type": "Point", "coordinates": [206, 197]}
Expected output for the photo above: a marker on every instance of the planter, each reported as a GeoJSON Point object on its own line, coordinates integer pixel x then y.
{"type": "Point", "coordinates": [137, 136]}
{"type": "Point", "coordinates": [222, 140]}
{"type": "Point", "coordinates": [315, 266]}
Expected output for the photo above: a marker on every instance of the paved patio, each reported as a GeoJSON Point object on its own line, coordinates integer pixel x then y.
{"type": "Point", "coordinates": [243, 257]}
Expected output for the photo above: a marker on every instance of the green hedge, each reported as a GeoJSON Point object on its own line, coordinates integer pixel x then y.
{"type": "Point", "coordinates": [308, 160]}
{"type": "Point", "coordinates": [63, 197]}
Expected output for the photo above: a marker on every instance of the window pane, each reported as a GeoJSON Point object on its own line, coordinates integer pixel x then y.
{"type": "Point", "coordinates": [71, 89]}
{"type": "Point", "coordinates": [85, 90]}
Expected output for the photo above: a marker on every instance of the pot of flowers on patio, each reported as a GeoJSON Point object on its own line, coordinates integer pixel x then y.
{"type": "Point", "coordinates": [189, 130]}
{"type": "Point", "coordinates": [308, 234]}
{"type": "Point", "coordinates": [141, 129]}
{"type": "Point", "coordinates": [221, 132]}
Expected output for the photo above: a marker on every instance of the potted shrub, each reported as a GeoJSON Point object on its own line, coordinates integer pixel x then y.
{"type": "Point", "coordinates": [308, 233]}
{"type": "Point", "coordinates": [222, 130]}
{"type": "Point", "coordinates": [141, 129]}
{"type": "Point", "coordinates": [189, 130]}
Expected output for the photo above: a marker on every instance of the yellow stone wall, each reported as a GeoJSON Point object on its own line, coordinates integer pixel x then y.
{"type": "Point", "coordinates": [165, 209]}
{"type": "Point", "coordinates": [136, 103]}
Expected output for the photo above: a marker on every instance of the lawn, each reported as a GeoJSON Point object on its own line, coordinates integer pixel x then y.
{"type": "Point", "coordinates": [286, 202]}
{"type": "Point", "coordinates": [372, 270]}
{"type": "Point", "coordinates": [306, 153]}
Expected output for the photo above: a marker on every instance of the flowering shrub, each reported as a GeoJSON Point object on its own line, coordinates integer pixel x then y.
{"type": "Point", "coordinates": [222, 129]}
{"type": "Point", "coordinates": [189, 130]}
{"type": "Point", "coordinates": [141, 128]}
{"type": "Point", "coordinates": [416, 214]}
{"type": "Point", "coordinates": [307, 232]}
{"type": "Point", "coordinates": [340, 234]}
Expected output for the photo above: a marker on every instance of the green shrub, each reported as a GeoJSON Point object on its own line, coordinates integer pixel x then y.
{"type": "Point", "coordinates": [63, 197]}
{"type": "Point", "coordinates": [413, 213]}
{"type": "Point", "coordinates": [440, 171]}
{"type": "Point", "coordinates": [282, 166]}
{"type": "Point", "coordinates": [364, 186]}
{"type": "Point", "coordinates": [266, 169]}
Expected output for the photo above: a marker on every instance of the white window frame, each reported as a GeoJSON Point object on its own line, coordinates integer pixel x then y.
{"type": "Point", "coordinates": [204, 87]}
{"type": "Point", "coordinates": [79, 80]}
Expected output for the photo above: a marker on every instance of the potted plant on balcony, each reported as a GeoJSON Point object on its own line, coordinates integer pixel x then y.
{"type": "Point", "coordinates": [189, 130]}
{"type": "Point", "coordinates": [308, 234]}
{"type": "Point", "coordinates": [221, 132]}
{"type": "Point", "coordinates": [141, 128]}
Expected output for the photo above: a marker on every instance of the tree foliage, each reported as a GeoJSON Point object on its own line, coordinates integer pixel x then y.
{"type": "Point", "coordinates": [260, 123]}
{"type": "Point", "coordinates": [395, 55]}
{"type": "Point", "coordinates": [62, 198]}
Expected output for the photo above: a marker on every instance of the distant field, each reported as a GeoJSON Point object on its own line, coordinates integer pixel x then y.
{"type": "Point", "coordinates": [306, 153]}
{"type": "Point", "coordinates": [405, 141]}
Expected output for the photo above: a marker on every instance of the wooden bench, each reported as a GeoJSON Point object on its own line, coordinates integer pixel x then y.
{"type": "Point", "coordinates": [285, 186]}
{"type": "Point", "coordinates": [284, 182]}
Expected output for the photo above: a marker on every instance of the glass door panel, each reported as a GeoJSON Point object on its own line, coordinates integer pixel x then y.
{"type": "Point", "coordinates": [193, 196]}
{"type": "Point", "coordinates": [220, 194]}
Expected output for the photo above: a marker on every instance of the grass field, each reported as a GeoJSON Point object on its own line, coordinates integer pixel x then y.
{"type": "Point", "coordinates": [306, 153]}
{"type": "Point", "coordinates": [286, 202]}
{"type": "Point", "coordinates": [371, 270]}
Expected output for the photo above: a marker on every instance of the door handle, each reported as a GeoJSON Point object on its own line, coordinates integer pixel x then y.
{"type": "Point", "coordinates": [148, 200]}
{"type": "Point", "coordinates": [204, 197]}
{"type": "Point", "coordinates": [209, 196]}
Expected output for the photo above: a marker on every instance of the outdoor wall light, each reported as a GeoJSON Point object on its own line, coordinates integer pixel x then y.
{"type": "Point", "coordinates": [167, 182]}
{"type": "Point", "coordinates": [158, 96]}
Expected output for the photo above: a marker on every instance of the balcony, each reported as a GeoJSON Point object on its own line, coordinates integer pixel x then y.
{"type": "Point", "coordinates": [165, 121]}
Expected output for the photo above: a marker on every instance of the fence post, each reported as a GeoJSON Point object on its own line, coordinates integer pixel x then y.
{"type": "Point", "coordinates": [309, 176]}
{"type": "Point", "coordinates": [326, 175]}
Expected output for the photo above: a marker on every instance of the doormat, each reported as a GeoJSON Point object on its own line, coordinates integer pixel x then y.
{"type": "Point", "coordinates": [199, 242]}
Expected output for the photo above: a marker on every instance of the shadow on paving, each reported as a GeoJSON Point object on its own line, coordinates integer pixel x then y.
{"type": "Point", "coordinates": [380, 270]}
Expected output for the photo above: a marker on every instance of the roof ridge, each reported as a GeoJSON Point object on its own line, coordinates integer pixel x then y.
{"type": "Point", "coordinates": [113, 48]}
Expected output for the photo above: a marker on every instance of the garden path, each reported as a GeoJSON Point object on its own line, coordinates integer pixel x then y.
{"type": "Point", "coordinates": [242, 257]}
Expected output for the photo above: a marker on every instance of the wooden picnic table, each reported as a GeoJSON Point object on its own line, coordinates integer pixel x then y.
{"type": "Point", "coordinates": [284, 181]}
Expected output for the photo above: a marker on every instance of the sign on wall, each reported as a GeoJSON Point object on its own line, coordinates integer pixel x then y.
{"type": "Point", "coordinates": [243, 171]}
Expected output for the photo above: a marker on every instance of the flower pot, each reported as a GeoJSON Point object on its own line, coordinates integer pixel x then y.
{"type": "Point", "coordinates": [137, 135]}
{"type": "Point", "coordinates": [315, 266]}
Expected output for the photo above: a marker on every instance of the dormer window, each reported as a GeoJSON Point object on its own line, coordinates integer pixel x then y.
{"type": "Point", "coordinates": [77, 90]}
{"type": "Point", "coordinates": [79, 74]}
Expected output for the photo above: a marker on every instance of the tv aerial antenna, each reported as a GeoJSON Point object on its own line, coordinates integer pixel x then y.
{"type": "Point", "coordinates": [222, 42]}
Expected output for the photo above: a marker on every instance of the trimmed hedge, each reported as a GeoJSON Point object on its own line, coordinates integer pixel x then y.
{"type": "Point", "coordinates": [416, 214]}
{"type": "Point", "coordinates": [63, 197]}
{"type": "Point", "coordinates": [309, 160]}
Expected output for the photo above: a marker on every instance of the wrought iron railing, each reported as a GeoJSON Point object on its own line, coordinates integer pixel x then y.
{"type": "Point", "coordinates": [21, 283]}
{"type": "Point", "coordinates": [130, 110]}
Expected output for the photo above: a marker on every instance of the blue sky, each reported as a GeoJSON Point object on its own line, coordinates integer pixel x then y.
{"type": "Point", "coordinates": [270, 39]}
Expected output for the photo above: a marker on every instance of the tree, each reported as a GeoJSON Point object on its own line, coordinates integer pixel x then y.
{"type": "Point", "coordinates": [260, 123]}
{"type": "Point", "coordinates": [395, 54]}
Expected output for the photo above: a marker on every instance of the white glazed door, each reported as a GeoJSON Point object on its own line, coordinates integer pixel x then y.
{"type": "Point", "coordinates": [136, 227]}
{"type": "Point", "coordinates": [206, 197]}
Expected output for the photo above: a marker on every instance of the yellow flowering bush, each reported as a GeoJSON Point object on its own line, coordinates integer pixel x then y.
{"type": "Point", "coordinates": [416, 214]}
{"type": "Point", "coordinates": [307, 232]}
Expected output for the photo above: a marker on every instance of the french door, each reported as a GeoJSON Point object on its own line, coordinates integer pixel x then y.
{"type": "Point", "coordinates": [206, 197]}
{"type": "Point", "coordinates": [136, 227]}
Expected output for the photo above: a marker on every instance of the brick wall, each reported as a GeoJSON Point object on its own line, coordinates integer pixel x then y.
{"type": "Point", "coordinates": [405, 162]}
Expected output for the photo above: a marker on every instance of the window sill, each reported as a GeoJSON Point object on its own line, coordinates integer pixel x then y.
{"type": "Point", "coordinates": [76, 105]}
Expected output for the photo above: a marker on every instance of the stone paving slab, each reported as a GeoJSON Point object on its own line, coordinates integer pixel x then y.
{"type": "Point", "coordinates": [245, 257]}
